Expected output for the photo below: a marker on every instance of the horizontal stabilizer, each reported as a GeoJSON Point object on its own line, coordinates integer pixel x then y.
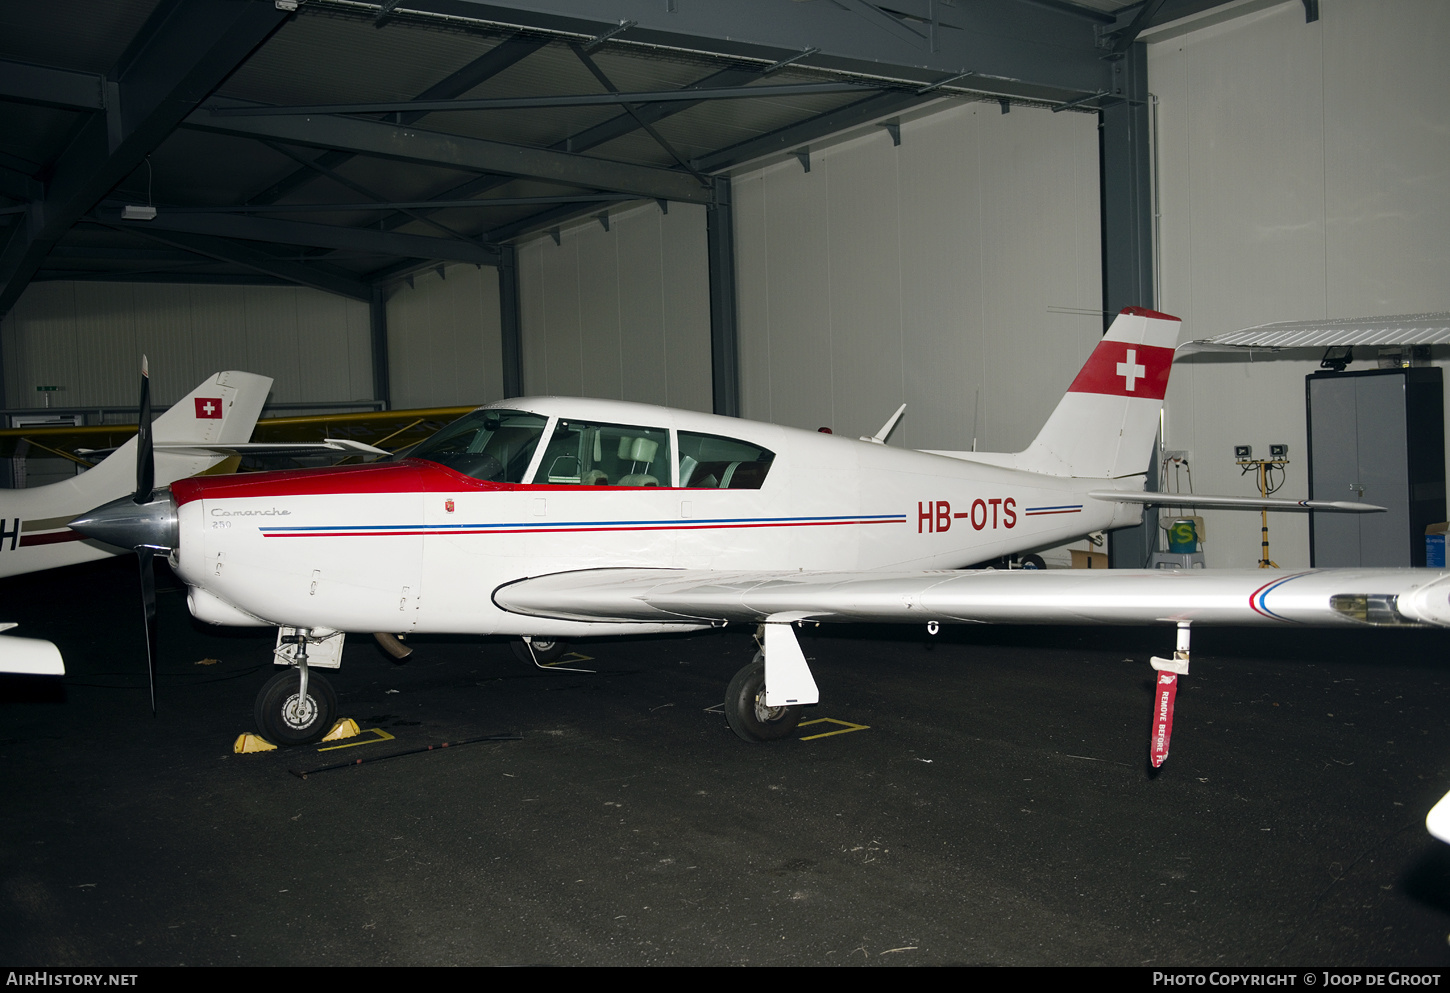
{"type": "Point", "coordinates": [1240, 502]}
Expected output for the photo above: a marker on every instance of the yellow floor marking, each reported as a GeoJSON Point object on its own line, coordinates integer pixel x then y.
{"type": "Point", "coordinates": [381, 736]}
{"type": "Point", "coordinates": [571, 657]}
{"type": "Point", "coordinates": [846, 727]}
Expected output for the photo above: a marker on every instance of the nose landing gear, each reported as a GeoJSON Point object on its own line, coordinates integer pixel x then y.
{"type": "Point", "coordinates": [286, 714]}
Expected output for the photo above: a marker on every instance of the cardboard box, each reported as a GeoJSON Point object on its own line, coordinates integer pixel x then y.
{"type": "Point", "coordinates": [1089, 560]}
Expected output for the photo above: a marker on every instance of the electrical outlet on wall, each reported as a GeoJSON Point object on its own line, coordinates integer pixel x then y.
{"type": "Point", "coordinates": [1176, 455]}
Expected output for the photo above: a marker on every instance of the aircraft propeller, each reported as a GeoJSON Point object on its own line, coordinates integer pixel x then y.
{"type": "Point", "coordinates": [145, 490]}
{"type": "Point", "coordinates": [142, 522]}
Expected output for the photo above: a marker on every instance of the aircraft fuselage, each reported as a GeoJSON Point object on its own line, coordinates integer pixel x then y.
{"type": "Point", "coordinates": [417, 546]}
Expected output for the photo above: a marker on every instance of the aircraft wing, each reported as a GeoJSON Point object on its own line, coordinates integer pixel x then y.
{"type": "Point", "coordinates": [29, 656]}
{"type": "Point", "coordinates": [1399, 329]}
{"type": "Point", "coordinates": [357, 433]}
{"type": "Point", "coordinates": [379, 429]}
{"type": "Point", "coordinates": [327, 446]}
{"type": "Point", "coordinates": [1323, 597]}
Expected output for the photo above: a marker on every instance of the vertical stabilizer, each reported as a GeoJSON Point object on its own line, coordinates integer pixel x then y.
{"type": "Point", "coordinates": [222, 410]}
{"type": "Point", "coordinates": [1106, 422]}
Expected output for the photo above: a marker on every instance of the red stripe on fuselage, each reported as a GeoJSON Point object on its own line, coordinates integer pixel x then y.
{"type": "Point", "coordinates": [50, 538]}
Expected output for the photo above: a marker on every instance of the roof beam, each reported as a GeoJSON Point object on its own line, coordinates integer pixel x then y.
{"type": "Point", "coordinates": [813, 129]}
{"type": "Point", "coordinates": [181, 55]}
{"type": "Point", "coordinates": [266, 229]}
{"type": "Point", "coordinates": [456, 152]}
{"type": "Point", "coordinates": [318, 277]}
{"type": "Point", "coordinates": [1029, 50]}
{"type": "Point", "coordinates": [592, 137]}
{"type": "Point", "coordinates": [503, 55]}
{"type": "Point", "coordinates": [417, 108]}
{"type": "Point", "coordinates": [50, 87]}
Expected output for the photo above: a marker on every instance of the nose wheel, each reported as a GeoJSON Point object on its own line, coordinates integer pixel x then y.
{"type": "Point", "coordinates": [746, 711]}
{"type": "Point", "coordinates": [286, 716]}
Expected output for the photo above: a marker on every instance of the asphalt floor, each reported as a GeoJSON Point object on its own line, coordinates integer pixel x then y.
{"type": "Point", "coordinates": [980, 797]}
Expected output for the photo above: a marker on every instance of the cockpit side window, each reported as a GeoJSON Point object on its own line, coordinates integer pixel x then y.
{"type": "Point", "coordinates": [709, 461]}
{"type": "Point", "coordinates": [587, 453]}
{"type": "Point", "coordinates": [493, 445]}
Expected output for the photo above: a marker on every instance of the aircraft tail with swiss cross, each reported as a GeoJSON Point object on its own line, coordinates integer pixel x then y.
{"type": "Point", "coordinates": [1105, 424]}
{"type": "Point", "coordinates": [34, 532]}
{"type": "Point", "coordinates": [222, 410]}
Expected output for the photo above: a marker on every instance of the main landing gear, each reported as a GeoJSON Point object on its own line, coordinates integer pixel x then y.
{"type": "Point", "coordinates": [747, 712]}
{"type": "Point", "coordinates": [757, 714]}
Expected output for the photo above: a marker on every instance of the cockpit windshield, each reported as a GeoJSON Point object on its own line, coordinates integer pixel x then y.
{"type": "Point", "coordinates": [493, 445]}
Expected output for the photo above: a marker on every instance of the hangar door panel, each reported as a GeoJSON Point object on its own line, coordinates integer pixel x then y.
{"type": "Point", "coordinates": [1376, 436]}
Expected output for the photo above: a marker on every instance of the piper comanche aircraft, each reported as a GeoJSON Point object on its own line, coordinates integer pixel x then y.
{"type": "Point", "coordinates": [33, 532]}
{"type": "Point", "coordinates": [554, 518]}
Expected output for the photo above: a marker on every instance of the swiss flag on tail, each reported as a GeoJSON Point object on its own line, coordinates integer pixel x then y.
{"type": "Point", "coordinates": [1126, 368]}
{"type": "Point", "coordinates": [208, 407]}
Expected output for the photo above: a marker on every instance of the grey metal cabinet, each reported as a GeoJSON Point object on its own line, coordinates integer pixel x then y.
{"type": "Point", "coordinates": [1376, 436]}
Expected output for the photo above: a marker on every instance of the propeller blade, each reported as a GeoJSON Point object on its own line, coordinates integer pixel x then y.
{"type": "Point", "coordinates": [145, 457]}
{"type": "Point", "coordinates": [144, 556]}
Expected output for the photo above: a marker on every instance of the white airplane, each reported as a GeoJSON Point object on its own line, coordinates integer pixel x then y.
{"type": "Point", "coordinates": [34, 531]}
{"type": "Point", "coordinates": [553, 518]}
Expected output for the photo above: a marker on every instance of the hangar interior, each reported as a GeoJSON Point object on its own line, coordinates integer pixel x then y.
{"type": "Point", "coordinates": [932, 202]}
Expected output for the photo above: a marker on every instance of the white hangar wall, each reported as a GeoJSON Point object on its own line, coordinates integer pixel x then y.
{"type": "Point", "coordinates": [622, 314]}
{"type": "Point", "coordinates": [1304, 172]}
{"type": "Point", "coordinates": [444, 336]}
{"type": "Point", "coordinates": [88, 337]}
{"type": "Point", "coordinates": [958, 273]}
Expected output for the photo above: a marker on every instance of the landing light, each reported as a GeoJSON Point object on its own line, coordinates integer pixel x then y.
{"type": "Point", "coordinates": [1370, 608]}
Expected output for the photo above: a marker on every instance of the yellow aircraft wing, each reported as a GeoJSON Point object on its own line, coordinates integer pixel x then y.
{"type": "Point", "coordinates": [387, 429]}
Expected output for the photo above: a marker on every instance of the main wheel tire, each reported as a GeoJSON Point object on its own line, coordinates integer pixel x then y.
{"type": "Point", "coordinates": [546, 650]}
{"type": "Point", "coordinates": [284, 719]}
{"type": "Point", "coordinates": [1033, 562]}
{"type": "Point", "coordinates": [746, 711]}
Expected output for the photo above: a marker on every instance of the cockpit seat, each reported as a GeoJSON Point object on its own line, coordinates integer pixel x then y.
{"type": "Point", "coordinates": [638, 451]}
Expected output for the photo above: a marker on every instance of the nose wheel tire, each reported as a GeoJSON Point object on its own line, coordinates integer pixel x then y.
{"type": "Point", "coordinates": [284, 718]}
{"type": "Point", "coordinates": [746, 711]}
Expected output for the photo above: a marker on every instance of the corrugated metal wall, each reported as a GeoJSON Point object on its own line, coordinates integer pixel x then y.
{"type": "Point", "coordinates": [957, 273]}
{"type": "Point", "coordinates": [1304, 171]}
{"type": "Point", "coordinates": [622, 314]}
{"type": "Point", "coordinates": [443, 339]}
{"type": "Point", "coordinates": [87, 338]}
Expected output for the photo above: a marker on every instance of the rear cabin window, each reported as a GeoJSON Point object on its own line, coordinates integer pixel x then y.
{"type": "Point", "coordinates": [709, 461]}
{"type": "Point", "coordinates": [494, 445]}
{"type": "Point", "coordinates": [585, 453]}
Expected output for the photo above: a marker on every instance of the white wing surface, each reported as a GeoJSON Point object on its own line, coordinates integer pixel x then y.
{"type": "Point", "coordinates": [1324, 597]}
